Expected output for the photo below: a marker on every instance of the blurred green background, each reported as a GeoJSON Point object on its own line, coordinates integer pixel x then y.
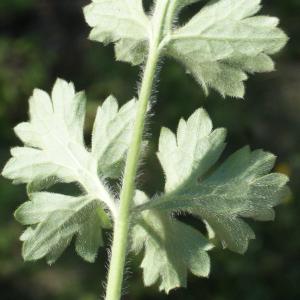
{"type": "Point", "coordinates": [43, 39]}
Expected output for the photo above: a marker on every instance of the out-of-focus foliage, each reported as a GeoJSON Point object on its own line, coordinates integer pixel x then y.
{"type": "Point", "coordinates": [43, 39]}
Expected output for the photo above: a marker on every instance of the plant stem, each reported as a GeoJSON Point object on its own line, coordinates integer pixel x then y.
{"type": "Point", "coordinates": [122, 222]}
{"type": "Point", "coordinates": [121, 226]}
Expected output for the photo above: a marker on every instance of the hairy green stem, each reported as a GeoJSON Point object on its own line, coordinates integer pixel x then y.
{"type": "Point", "coordinates": [121, 226]}
{"type": "Point", "coordinates": [122, 222]}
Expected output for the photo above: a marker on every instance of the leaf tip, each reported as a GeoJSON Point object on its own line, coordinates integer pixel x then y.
{"type": "Point", "coordinates": [6, 171]}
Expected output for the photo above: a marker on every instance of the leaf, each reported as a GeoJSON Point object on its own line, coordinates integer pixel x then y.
{"type": "Point", "coordinates": [54, 148]}
{"type": "Point", "coordinates": [54, 151]}
{"type": "Point", "coordinates": [57, 218]}
{"type": "Point", "coordinates": [171, 248]}
{"type": "Point", "coordinates": [89, 237]}
{"type": "Point", "coordinates": [219, 46]}
{"type": "Point", "coordinates": [122, 22]}
{"type": "Point", "coordinates": [219, 42]}
{"type": "Point", "coordinates": [112, 135]}
{"type": "Point", "coordinates": [189, 155]}
{"type": "Point", "coordinates": [53, 139]}
{"type": "Point", "coordinates": [239, 188]}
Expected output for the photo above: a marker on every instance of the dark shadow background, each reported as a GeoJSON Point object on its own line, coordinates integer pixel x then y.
{"type": "Point", "coordinates": [43, 39]}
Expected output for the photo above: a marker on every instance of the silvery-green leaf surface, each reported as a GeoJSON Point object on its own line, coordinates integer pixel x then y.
{"type": "Point", "coordinates": [219, 46]}
{"type": "Point", "coordinates": [53, 138]}
{"type": "Point", "coordinates": [123, 22]}
{"type": "Point", "coordinates": [56, 219]}
{"type": "Point", "coordinates": [171, 248]}
{"type": "Point", "coordinates": [54, 151]}
{"type": "Point", "coordinates": [241, 187]}
{"type": "Point", "coordinates": [214, 44]}
{"type": "Point", "coordinates": [113, 126]}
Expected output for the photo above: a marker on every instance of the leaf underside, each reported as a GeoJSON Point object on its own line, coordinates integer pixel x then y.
{"type": "Point", "coordinates": [122, 22]}
{"type": "Point", "coordinates": [171, 248]}
{"type": "Point", "coordinates": [219, 46]}
{"type": "Point", "coordinates": [240, 188]}
{"type": "Point", "coordinates": [54, 151]}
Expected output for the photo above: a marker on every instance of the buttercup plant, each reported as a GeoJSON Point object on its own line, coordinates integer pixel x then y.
{"type": "Point", "coordinates": [219, 46]}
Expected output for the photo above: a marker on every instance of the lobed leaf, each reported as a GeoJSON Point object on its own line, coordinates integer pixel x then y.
{"type": "Point", "coordinates": [53, 140]}
{"type": "Point", "coordinates": [192, 152]}
{"type": "Point", "coordinates": [56, 219]}
{"type": "Point", "coordinates": [123, 22]}
{"type": "Point", "coordinates": [54, 151]}
{"type": "Point", "coordinates": [241, 187]}
{"type": "Point", "coordinates": [219, 46]}
{"type": "Point", "coordinates": [171, 248]}
{"type": "Point", "coordinates": [219, 42]}
{"type": "Point", "coordinates": [111, 136]}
